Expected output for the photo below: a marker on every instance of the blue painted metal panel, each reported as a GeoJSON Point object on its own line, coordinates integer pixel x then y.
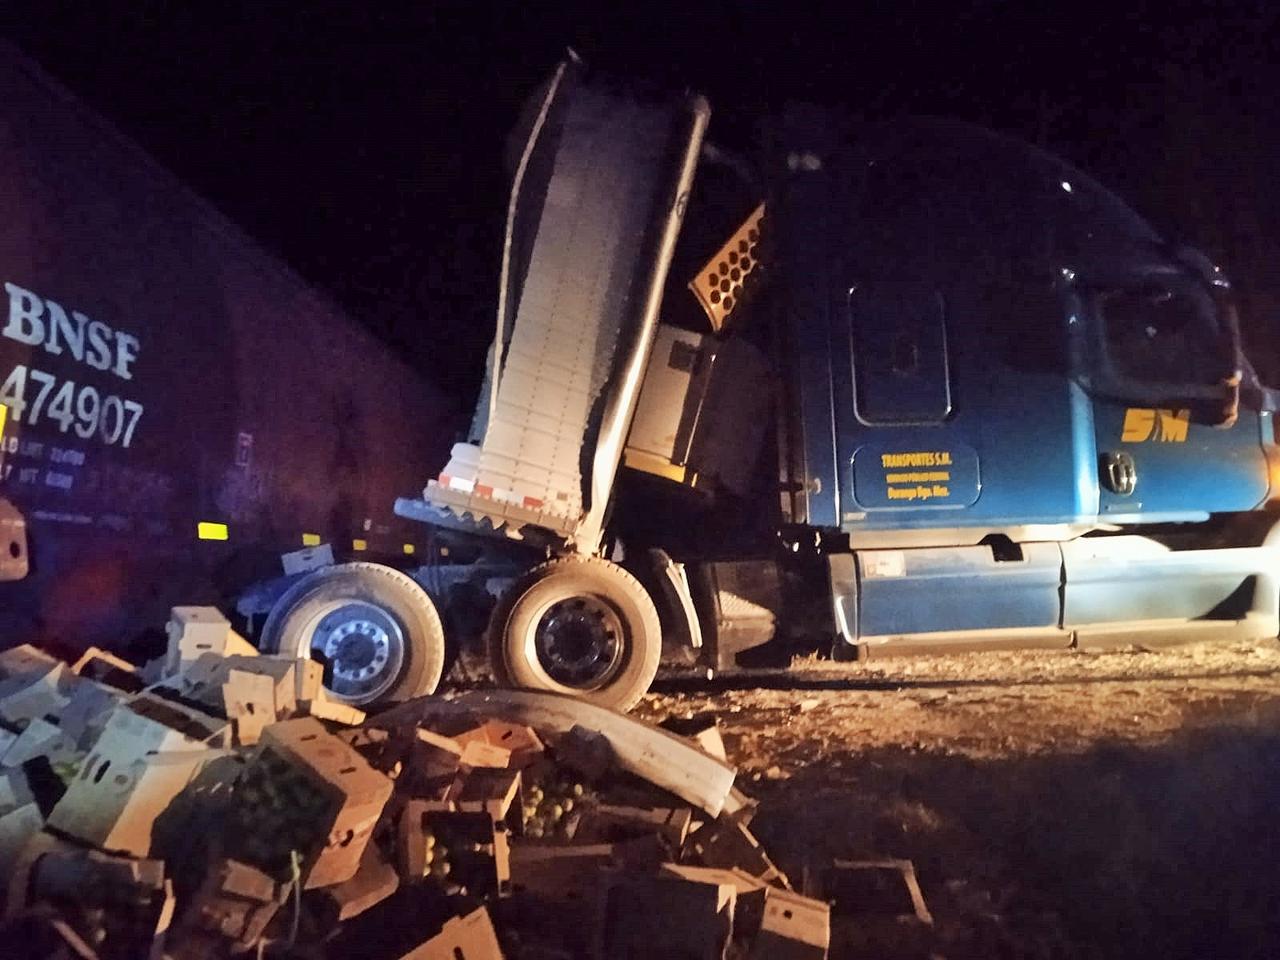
{"type": "Point", "coordinates": [804, 231]}
{"type": "Point", "coordinates": [1124, 579]}
{"type": "Point", "coordinates": [886, 477]}
{"type": "Point", "coordinates": [957, 588]}
{"type": "Point", "coordinates": [1084, 457]}
{"type": "Point", "coordinates": [1020, 437]}
{"type": "Point", "coordinates": [1185, 470]}
{"type": "Point", "coordinates": [899, 353]}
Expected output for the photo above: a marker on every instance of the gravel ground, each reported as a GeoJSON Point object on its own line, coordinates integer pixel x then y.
{"type": "Point", "coordinates": [1055, 804]}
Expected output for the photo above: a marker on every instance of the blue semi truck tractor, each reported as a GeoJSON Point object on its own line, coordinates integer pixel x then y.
{"type": "Point", "coordinates": [937, 390]}
{"type": "Point", "coordinates": [898, 386]}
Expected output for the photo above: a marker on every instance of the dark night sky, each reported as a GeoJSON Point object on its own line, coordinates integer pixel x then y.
{"type": "Point", "coordinates": [363, 141]}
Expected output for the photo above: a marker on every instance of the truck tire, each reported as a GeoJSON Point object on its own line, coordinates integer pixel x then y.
{"type": "Point", "coordinates": [577, 625]}
{"type": "Point", "coordinates": [374, 628]}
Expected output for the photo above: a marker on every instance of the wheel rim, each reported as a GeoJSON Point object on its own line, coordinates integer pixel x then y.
{"type": "Point", "coordinates": [578, 643]}
{"type": "Point", "coordinates": [363, 647]}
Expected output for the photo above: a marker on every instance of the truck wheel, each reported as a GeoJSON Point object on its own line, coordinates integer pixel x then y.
{"type": "Point", "coordinates": [577, 625]}
{"type": "Point", "coordinates": [375, 629]}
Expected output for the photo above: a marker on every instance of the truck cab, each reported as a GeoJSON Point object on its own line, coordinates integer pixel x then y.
{"type": "Point", "coordinates": [1007, 413]}
{"type": "Point", "coordinates": [1024, 415]}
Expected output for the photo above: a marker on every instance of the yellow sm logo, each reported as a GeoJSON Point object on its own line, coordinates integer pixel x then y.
{"type": "Point", "coordinates": [1161, 426]}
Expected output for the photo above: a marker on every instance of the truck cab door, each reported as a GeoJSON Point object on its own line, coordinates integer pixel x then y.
{"type": "Point", "coordinates": [908, 456]}
{"type": "Point", "coordinates": [1159, 360]}
{"type": "Point", "coordinates": [899, 354]}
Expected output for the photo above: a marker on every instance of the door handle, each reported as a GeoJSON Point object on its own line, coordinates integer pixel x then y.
{"type": "Point", "coordinates": [1119, 473]}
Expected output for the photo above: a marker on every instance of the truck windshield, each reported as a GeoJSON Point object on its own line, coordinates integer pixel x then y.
{"type": "Point", "coordinates": [1159, 335]}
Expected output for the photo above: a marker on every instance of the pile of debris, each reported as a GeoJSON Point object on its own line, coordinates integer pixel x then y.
{"type": "Point", "coordinates": [216, 803]}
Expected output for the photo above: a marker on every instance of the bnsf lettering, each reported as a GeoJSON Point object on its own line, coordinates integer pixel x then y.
{"type": "Point", "coordinates": [39, 322]}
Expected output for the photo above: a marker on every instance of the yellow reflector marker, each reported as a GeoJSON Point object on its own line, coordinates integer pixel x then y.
{"type": "Point", "coordinates": [359, 545]}
{"type": "Point", "coordinates": [211, 531]}
{"type": "Point", "coordinates": [311, 539]}
{"type": "Point", "coordinates": [4, 415]}
{"type": "Point", "coordinates": [408, 549]}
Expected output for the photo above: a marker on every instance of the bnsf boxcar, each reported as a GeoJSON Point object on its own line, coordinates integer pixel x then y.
{"type": "Point", "coordinates": [177, 407]}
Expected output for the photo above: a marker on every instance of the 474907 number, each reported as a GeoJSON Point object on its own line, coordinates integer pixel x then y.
{"type": "Point", "coordinates": [32, 394]}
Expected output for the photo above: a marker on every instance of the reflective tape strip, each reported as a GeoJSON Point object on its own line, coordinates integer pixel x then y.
{"type": "Point", "coordinates": [359, 544]}
{"type": "Point", "coordinates": [501, 496]}
{"type": "Point", "coordinates": [532, 503]}
{"type": "Point", "coordinates": [207, 530]}
{"type": "Point", "coordinates": [311, 539]}
{"type": "Point", "coordinates": [409, 549]}
{"type": "Point", "coordinates": [4, 415]}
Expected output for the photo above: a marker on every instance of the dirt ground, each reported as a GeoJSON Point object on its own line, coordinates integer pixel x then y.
{"type": "Point", "coordinates": [1058, 804]}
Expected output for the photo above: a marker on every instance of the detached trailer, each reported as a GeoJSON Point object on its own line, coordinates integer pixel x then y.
{"type": "Point", "coordinates": [176, 408]}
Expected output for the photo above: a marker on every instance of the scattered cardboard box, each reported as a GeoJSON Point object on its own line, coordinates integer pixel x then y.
{"type": "Point", "coordinates": [560, 872]}
{"type": "Point", "coordinates": [522, 744]}
{"type": "Point", "coordinates": [32, 684]}
{"type": "Point", "coordinates": [20, 818]}
{"type": "Point", "coordinates": [22, 665]}
{"type": "Point", "coordinates": [236, 902]}
{"type": "Point", "coordinates": [463, 938]}
{"type": "Point", "coordinates": [605, 823]}
{"type": "Point", "coordinates": [207, 679]}
{"type": "Point", "coordinates": [40, 738]}
{"type": "Point", "coordinates": [135, 770]}
{"type": "Point", "coordinates": [105, 667]}
{"type": "Point", "coordinates": [769, 923]}
{"type": "Point", "coordinates": [702, 728]}
{"type": "Point", "coordinates": [91, 876]}
{"type": "Point", "coordinates": [469, 850]}
{"type": "Point", "coordinates": [488, 790]}
{"type": "Point", "coordinates": [792, 927]}
{"type": "Point", "coordinates": [249, 700]}
{"type": "Point", "coordinates": [415, 845]}
{"type": "Point", "coordinates": [322, 708]}
{"type": "Point", "coordinates": [85, 714]}
{"type": "Point", "coordinates": [729, 844]}
{"type": "Point", "coordinates": [571, 841]}
{"type": "Point", "coordinates": [481, 753]}
{"type": "Point", "coordinates": [375, 880]}
{"type": "Point", "coordinates": [196, 631]}
{"type": "Point", "coordinates": [341, 794]}
{"type": "Point", "coordinates": [664, 916]}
